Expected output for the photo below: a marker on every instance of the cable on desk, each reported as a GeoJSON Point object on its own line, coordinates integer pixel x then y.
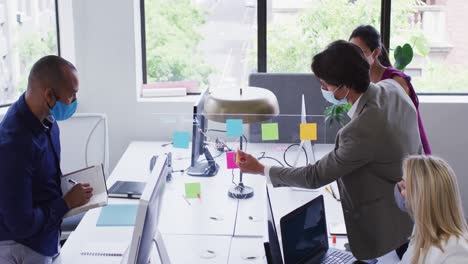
{"type": "Point", "coordinates": [219, 130]}
{"type": "Point", "coordinates": [267, 157]}
{"type": "Point", "coordinates": [233, 182]}
{"type": "Point", "coordinates": [292, 145]}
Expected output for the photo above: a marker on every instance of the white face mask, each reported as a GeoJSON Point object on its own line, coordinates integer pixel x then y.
{"type": "Point", "coordinates": [330, 97]}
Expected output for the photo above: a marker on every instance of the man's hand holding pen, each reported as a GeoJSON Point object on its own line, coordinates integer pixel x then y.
{"type": "Point", "coordinates": [79, 195]}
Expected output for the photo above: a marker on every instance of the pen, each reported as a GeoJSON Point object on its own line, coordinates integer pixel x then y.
{"type": "Point", "coordinates": [185, 198]}
{"type": "Point", "coordinates": [333, 193]}
{"type": "Point", "coordinates": [328, 191]}
{"type": "Point", "coordinates": [73, 182]}
{"type": "Point", "coordinates": [153, 162]}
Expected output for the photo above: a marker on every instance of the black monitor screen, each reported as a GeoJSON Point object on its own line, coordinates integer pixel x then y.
{"type": "Point", "coordinates": [272, 250]}
{"type": "Point", "coordinates": [199, 127]}
{"type": "Point", "coordinates": [304, 232]}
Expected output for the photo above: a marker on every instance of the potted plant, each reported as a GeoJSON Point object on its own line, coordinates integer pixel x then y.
{"type": "Point", "coordinates": [403, 56]}
{"type": "Point", "coordinates": [336, 114]}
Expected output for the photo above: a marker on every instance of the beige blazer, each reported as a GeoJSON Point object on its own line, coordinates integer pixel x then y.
{"type": "Point", "coordinates": [367, 163]}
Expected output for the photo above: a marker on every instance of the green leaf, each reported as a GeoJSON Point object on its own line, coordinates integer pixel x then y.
{"type": "Point", "coordinates": [421, 44]}
{"type": "Point", "coordinates": [403, 56]}
{"type": "Point", "coordinates": [336, 113]}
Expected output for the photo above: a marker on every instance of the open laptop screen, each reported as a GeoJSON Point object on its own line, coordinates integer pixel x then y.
{"type": "Point", "coordinates": [304, 232]}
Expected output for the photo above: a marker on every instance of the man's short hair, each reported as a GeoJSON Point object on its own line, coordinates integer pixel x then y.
{"type": "Point", "coordinates": [342, 63]}
{"type": "Point", "coordinates": [50, 71]}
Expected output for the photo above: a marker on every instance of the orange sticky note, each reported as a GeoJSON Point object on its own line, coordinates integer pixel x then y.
{"type": "Point", "coordinates": [308, 131]}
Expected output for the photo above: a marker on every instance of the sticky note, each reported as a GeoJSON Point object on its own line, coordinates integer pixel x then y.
{"type": "Point", "coordinates": [308, 131]}
{"type": "Point", "coordinates": [181, 140]}
{"type": "Point", "coordinates": [231, 160]}
{"type": "Point", "coordinates": [192, 190]}
{"type": "Point", "coordinates": [270, 131]}
{"type": "Point", "coordinates": [234, 127]}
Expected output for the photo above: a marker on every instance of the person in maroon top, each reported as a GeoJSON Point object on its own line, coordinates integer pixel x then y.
{"type": "Point", "coordinates": [368, 39]}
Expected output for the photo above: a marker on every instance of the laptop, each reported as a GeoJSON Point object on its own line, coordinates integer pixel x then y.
{"type": "Point", "coordinates": [305, 238]}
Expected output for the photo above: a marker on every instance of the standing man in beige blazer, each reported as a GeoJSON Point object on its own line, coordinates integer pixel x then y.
{"type": "Point", "coordinates": [368, 154]}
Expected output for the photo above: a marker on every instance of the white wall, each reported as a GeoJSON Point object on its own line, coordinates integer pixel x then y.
{"type": "Point", "coordinates": [447, 129]}
{"type": "Point", "coordinates": [107, 42]}
{"type": "Point", "coordinates": [108, 57]}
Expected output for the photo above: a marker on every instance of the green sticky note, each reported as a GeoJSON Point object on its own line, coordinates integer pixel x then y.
{"type": "Point", "coordinates": [270, 131]}
{"type": "Point", "coordinates": [192, 190]}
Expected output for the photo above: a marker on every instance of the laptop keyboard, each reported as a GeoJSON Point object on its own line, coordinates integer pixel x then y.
{"type": "Point", "coordinates": [337, 257]}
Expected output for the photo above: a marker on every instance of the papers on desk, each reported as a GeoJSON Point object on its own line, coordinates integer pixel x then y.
{"type": "Point", "coordinates": [337, 229]}
{"type": "Point", "coordinates": [303, 189]}
{"type": "Point", "coordinates": [93, 175]}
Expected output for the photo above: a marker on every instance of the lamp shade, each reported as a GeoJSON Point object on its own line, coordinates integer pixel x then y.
{"type": "Point", "coordinates": [252, 105]}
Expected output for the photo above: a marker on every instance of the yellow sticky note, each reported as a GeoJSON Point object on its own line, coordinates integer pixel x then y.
{"type": "Point", "coordinates": [308, 131]}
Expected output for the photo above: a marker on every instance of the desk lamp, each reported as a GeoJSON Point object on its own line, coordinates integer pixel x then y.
{"type": "Point", "coordinates": [252, 105]}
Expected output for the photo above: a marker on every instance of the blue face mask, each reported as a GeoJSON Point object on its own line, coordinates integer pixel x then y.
{"type": "Point", "coordinates": [330, 97]}
{"type": "Point", "coordinates": [62, 111]}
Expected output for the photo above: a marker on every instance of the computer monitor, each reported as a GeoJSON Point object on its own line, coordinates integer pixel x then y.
{"type": "Point", "coordinates": [272, 247]}
{"type": "Point", "coordinates": [145, 233]}
{"type": "Point", "coordinates": [200, 123]}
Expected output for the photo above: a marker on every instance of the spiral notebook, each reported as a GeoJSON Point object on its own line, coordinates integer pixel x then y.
{"type": "Point", "coordinates": [111, 250]}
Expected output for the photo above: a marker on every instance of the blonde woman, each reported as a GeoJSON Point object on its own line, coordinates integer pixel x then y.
{"type": "Point", "coordinates": [440, 232]}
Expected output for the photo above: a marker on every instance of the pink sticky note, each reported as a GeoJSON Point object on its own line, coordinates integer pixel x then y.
{"type": "Point", "coordinates": [231, 160]}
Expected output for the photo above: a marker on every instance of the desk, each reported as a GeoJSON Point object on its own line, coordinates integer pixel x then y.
{"type": "Point", "coordinates": [188, 230]}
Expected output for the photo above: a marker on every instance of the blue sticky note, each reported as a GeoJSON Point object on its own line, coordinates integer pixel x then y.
{"type": "Point", "coordinates": [118, 215]}
{"type": "Point", "coordinates": [234, 127]}
{"type": "Point", "coordinates": [181, 140]}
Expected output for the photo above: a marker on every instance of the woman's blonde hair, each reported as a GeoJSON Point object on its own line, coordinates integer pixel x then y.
{"type": "Point", "coordinates": [433, 201]}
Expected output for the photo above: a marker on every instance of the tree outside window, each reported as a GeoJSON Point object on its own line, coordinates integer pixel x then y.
{"type": "Point", "coordinates": [27, 33]}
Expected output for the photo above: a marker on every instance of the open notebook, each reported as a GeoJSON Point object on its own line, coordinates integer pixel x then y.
{"type": "Point", "coordinates": [93, 175]}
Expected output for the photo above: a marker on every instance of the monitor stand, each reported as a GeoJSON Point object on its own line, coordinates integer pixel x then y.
{"type": "Point", "coordinates": [241, 191]}
{"type": "Point", "coordinates": [152, 260]}
{"type": "Point", "coordinates": [205, 169]}
{"type": "Point", "coordinates": [125, 256]}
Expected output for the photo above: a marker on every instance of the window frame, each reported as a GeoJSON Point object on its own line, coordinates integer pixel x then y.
{"type": "Point", "coordinates": [385, 22]}
{"type": "Point", "coordinates": [57, 26]}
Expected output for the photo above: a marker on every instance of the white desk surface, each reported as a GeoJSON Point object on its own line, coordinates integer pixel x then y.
{"type": "Point", "coordinates": [247, 250]}
{"type": "Point", "coordinates": [179, 217]}
{"type": "Point", "coordinates": [188, 229]}
{"type": "Point", "coordinates": [194, 248]}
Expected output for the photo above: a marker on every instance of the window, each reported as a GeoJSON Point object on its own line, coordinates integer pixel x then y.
{"type": "Point", "coordinates": [24, 38]}
{"type": "Point", "coordinates": [219, 43]}
{"type": "Point", "coordinates": [198, 43]}
{"type": "Point", "coordinates": [435, 30]}
{"type": "Point", "coordinates": [298, 29]}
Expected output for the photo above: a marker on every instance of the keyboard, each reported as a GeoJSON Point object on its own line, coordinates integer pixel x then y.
{"type": "Point", "coordinates": [337, 257]}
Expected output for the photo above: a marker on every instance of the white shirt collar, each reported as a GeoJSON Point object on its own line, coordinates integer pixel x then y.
{"type": "Point", "coordinates": [353, 109]}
